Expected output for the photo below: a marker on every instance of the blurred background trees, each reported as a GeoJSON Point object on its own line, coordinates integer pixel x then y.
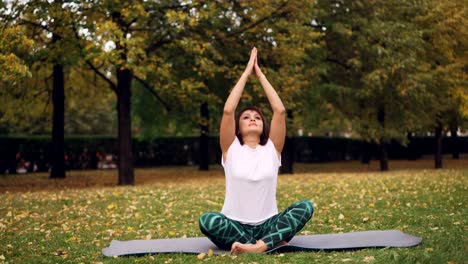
{"type": "Point", "coordinates": [379, 71]}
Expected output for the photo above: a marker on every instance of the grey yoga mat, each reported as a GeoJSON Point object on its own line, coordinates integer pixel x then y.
{"type": "Point", "coordinates": [195, 245]}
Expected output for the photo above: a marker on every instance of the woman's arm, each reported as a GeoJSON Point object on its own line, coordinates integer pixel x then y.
{"type": "Point", "coordinates": [278, 122]}
{"type": "Point", "coordinates": [228, 123]}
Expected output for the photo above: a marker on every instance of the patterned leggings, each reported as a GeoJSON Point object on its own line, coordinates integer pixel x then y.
{"type": "Point", "coordinates": [223, 231]}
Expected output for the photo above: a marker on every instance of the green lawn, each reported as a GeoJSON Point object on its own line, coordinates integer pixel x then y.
{"type": "Point", "coordinates": [71, 220]}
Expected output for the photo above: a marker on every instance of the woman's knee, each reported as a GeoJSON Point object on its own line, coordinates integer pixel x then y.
{"type": "Point", "coordinates": [209, 221]}
{"type": "Point", "coordinates": [307, 207]}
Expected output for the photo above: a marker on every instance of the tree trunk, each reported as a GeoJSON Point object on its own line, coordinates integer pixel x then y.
{"type": "Point", "coordinates": [411, 152]}
{"type": "Point", "coordinates": [455, 142]}
{"type": "Point", "coordinates": [438, 146]}
{"type": "Point", "coordinates": [383, 156]}
{"type": "Point", "coordinates": [287, 155]}
{"type": "Point", "coordinates": [204, 132]}
{"type": "Point", "coordinates": [124, 94]}
{"type": "Point", "coordinates": [382, 145]}
{"type": "Point", "coordinates": [367, 151]}
{"type": "Point", "coordinates": [58, 138]}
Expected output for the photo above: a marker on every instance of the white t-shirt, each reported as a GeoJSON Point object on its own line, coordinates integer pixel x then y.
{"type": "Point", "coordinates": [251, 177]}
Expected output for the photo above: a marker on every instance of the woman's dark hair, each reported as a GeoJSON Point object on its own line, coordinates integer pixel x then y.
{"type": "Point", "coordinates": [266, 127]}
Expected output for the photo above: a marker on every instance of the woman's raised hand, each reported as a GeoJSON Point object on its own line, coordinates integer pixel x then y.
{"type": "Point", "coordinates": [250, 65]}
{"type": "Point", "coordinates": [257, 70]}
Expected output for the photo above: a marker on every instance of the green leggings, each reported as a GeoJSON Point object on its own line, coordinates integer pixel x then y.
{"type": "Point", "coordinates": [223, 231]}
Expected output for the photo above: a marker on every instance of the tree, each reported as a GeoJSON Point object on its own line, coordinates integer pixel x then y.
{"type": "Point", "coordinates": [373, 51]}
{"type": "Point", "coordinates": [201, 47]}
{"type": "Point", "coordinates": [17, 105]}
{"type": "Point", "coordinates": [123, 42]}
{"type": "Point", "coordinates": [49, 25]}
{"type": "Point", "coordinates": [14, 47]}
{"type": "Point", "coordinates": [444, 72]}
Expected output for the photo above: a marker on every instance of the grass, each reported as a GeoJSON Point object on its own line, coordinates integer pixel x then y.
{"type": "Point", "coordinates": [71, 220]}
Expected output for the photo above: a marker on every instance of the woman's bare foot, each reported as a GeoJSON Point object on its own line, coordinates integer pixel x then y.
{"type": "Point", "coordinates": [282, 243]}
{"type": "Point", "coordinates": [259, 247]}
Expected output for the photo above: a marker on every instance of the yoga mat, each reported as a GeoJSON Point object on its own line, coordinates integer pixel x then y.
{"type": "Point", "coordinates": [196, 245]}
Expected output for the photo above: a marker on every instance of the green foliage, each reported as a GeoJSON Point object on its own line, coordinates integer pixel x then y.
{"type": "Point", "coordinates": [152, 120]}
{"type": "Point", "coordinates": [43, 37]}
{"type": "Point", "coordinates": [205, 52]}
{"type": "Point", "coordinates": [374, 62]}
{"type": "Point", "coordinates": [14, 47]}
{"type": "Point", "coordinates": [335, 64]}
{"type": "Point", "coordinates": [26, 106]}
{"type": "Point", "coordinates": [89, 105]}
{"type": "Point", "coordinates": [283, 40]}
{"type": "Point", "coordinates": [444, 71]}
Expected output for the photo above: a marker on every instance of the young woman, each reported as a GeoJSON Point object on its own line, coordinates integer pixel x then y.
{"type": "Point", "coordinates": [249, 220]}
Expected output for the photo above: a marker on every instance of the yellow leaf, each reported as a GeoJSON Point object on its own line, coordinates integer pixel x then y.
{"type": "Point", "coordinates": [201, 256]}
{"type": "Point", "coordinates": [210, 252]}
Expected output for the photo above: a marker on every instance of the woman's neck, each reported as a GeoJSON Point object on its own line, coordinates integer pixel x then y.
{"type": "Point", "coordinates": [251, 140]}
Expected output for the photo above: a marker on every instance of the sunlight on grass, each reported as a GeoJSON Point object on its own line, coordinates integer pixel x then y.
{"type": "Point", "coordinates": [72, 221]}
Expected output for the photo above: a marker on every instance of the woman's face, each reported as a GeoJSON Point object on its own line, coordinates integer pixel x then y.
{"type": "Point", "coordinates": [250, 122]}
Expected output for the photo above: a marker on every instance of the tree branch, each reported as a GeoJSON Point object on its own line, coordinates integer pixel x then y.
{"type": "Point", "coordinates": [338, 62]}
{"type": "Point", "coordinates": [158, 44]}
{"type": "Point", "coordinates": [112, 85]}
{"type": "Point", "coordinates": [46, 28]}
{"type": "Point", "coordinates": [261, 20]}
{"type": "Point", "coordinates": [150, 89]}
